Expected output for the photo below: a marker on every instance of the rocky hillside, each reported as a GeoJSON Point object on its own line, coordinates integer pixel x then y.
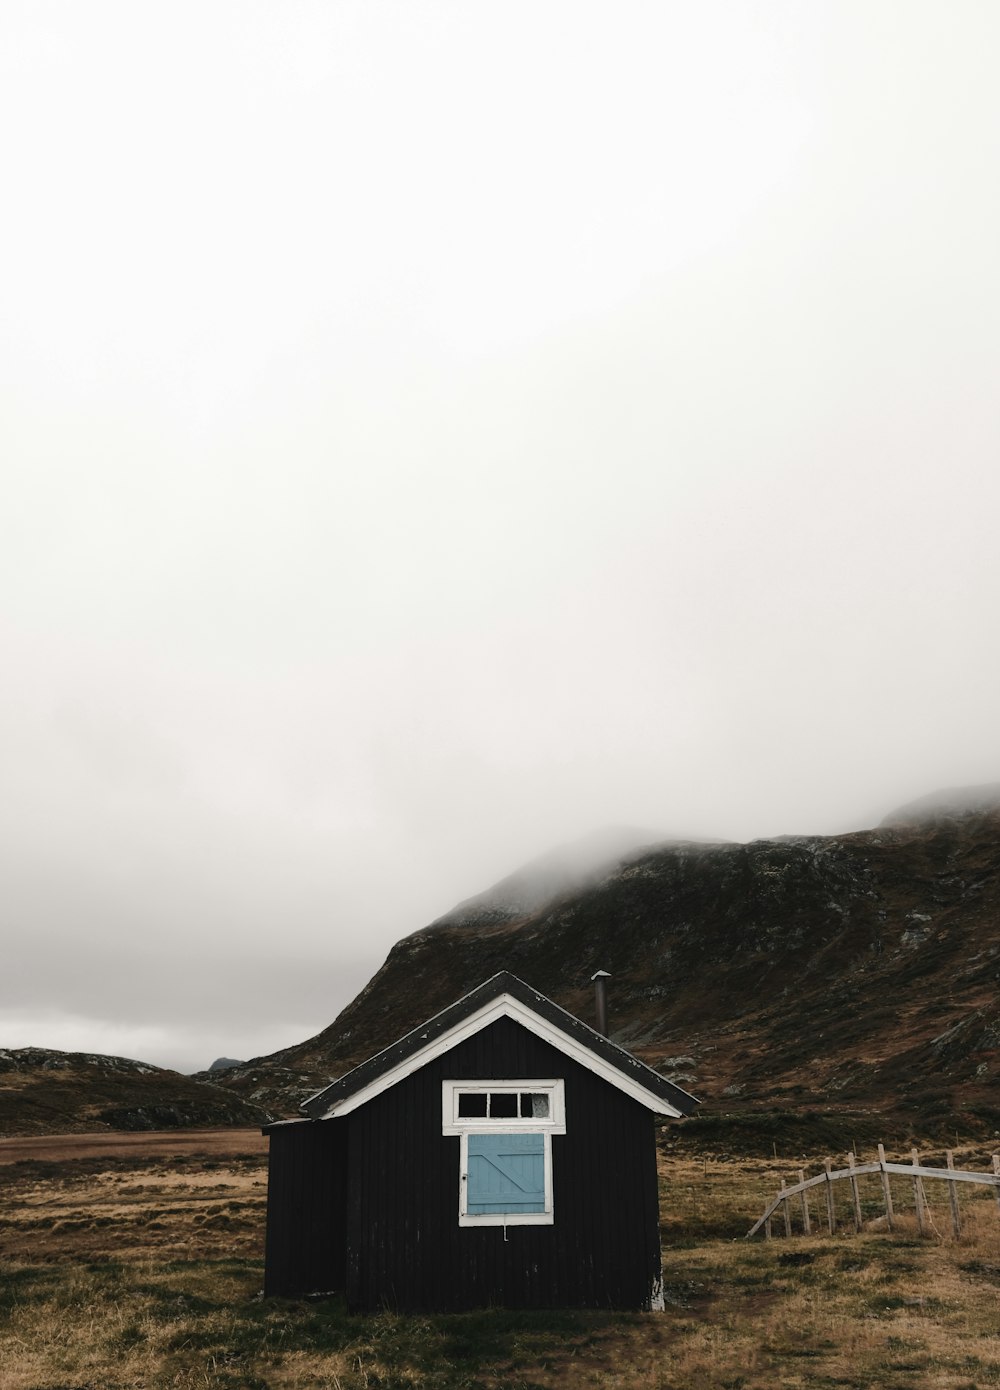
{"type": "Point", "coordinates": [45, 1092]}
{"type": "Point", "coordinates": [850, 973]}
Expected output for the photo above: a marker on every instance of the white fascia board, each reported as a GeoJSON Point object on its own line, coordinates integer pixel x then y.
{"type": "Point", "coordinates": [505, 1006]}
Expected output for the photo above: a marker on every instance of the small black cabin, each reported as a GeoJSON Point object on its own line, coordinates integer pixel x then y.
{"type": "Point", "coordinates": [501, 1153]}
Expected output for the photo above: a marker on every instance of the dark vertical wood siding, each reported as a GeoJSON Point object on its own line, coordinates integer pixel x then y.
{"type": "Point", "coordinates": [306, 1207]}
{"type": "Point", "coordinates": [405, 1248]}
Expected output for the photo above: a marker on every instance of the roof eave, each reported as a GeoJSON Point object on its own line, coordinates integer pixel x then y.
{"type": "Point", "coordinates": [402, 1057]}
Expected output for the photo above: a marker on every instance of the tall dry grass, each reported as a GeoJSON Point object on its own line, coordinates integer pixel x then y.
{"type": "Point", "coordinates": [166, 1295]}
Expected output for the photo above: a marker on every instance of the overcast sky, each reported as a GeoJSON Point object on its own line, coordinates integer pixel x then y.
{"type": "Point", "coordinates": [432, 431]}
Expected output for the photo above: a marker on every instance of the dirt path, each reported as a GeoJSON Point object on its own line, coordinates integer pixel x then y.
{"type": "Point", "coordinates": [57, 1147]}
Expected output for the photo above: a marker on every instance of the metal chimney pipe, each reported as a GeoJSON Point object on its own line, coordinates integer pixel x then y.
{"type": "Point", "coordinates": [600, 980]}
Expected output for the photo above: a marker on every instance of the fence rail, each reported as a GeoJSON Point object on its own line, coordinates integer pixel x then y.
{"type": "Point", "coordinates": [914, 1170]}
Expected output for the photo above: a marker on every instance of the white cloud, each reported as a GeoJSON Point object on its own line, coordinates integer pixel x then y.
{"type": "Point", "coordinates": [431, 431]}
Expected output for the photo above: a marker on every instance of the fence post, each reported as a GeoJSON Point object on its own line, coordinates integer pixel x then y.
{"type": "Point", "coordinates": [918, 1192]}
{"type": "Point", "coordinates": [956, 1224]}
{"type": "Point", "coordinates": [784, 1208]}
{"type": "Point", "coordinates": [806, 1227]}
{"type": "Point", "coordinates": [854, 1192]}
{"type": "Point", "coordinates": [830, 1218]}
{"type": "Point", "coordinates": [925, 1223]}
{"type": "Point", "coordinates": [886, 1189]}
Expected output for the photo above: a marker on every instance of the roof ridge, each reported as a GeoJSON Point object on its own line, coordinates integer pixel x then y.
{"type": "Point", "coordinates": [609, 1056]}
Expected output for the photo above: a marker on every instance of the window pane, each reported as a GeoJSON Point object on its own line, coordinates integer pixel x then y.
{"type": "Point", "coordinates": [503, 1105]}
{"type": "Point", "coordinates": [471, 1105]}
{"type": "Point", "coordinates": [534, 1105]}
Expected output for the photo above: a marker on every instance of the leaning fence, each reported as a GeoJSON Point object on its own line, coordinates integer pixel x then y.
{"type": "Point", "coordinates": [797, 1196]}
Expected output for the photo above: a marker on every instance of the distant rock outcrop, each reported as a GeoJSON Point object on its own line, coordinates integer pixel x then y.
{"type": "Point", "coordinates": [857, 972]}
{"type": "Point", "coordinates": [47, 1092]}
{"type": "Point", "coordinates": [222, 1063]}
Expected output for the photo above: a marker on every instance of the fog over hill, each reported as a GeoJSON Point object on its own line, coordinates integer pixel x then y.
{"type": "Point", "coordinates": [566, 869]}
{"type": "Point", "coordinates": [946, 805]}
{"type": "Point", "coordinates": [825, 972]}
{"type": "Point", "coordinates": [855, 973]}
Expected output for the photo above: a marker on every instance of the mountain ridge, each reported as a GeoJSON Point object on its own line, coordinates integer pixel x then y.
{"type": "Point", "coordinates": [847, 972]}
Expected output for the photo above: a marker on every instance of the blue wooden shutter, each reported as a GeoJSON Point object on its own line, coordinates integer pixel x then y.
{"type": "Point", "coordinates": [506, 1174]}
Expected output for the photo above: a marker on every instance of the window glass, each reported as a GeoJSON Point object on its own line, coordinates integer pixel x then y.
{"type": "Point", "coordinates": [503, 1105]}
{"type": "Point", "coordinates": [471, 1104]}
{"type": "Point", "coordinates": [534, 1105]}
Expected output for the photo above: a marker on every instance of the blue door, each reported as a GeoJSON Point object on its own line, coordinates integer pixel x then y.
{"type": "Point", "coordinates": [506, 1174]}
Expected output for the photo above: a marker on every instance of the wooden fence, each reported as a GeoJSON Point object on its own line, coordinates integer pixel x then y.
{"type": "Point", "coordinates": [913, 1170]}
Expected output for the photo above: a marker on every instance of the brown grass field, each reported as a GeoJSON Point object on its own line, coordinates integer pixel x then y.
{"type": "Point", "coordinates": [133, 1262]}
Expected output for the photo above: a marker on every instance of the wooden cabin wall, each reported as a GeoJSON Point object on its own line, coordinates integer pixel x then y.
{"type": "Point", "coordinates": [405, 1247]}
{"type": "Point", "coordinates": [306, 1204]}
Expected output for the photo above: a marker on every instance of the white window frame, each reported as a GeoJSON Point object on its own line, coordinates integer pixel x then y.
{"type": "Point", "coordinates": [504, 1218]}
{"type": "Point", "coordinates": [463, 1126]}
{"type": "Point", "coordinates": [453, 1123]}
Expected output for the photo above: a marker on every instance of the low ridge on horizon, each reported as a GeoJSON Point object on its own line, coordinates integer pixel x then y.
{"type": "Point", "coordinates": [45, 1091]}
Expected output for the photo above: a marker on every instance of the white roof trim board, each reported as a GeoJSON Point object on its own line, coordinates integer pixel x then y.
{"type": "Point", "coordinates": [505, 1006]}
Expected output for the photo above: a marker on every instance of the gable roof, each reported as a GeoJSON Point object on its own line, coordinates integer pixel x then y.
{"type": "Point", "coordinates": [501, 996]}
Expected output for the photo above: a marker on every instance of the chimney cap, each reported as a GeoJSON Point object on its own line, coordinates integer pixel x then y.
{"type": "Point", "coordinates": [601, 975]}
